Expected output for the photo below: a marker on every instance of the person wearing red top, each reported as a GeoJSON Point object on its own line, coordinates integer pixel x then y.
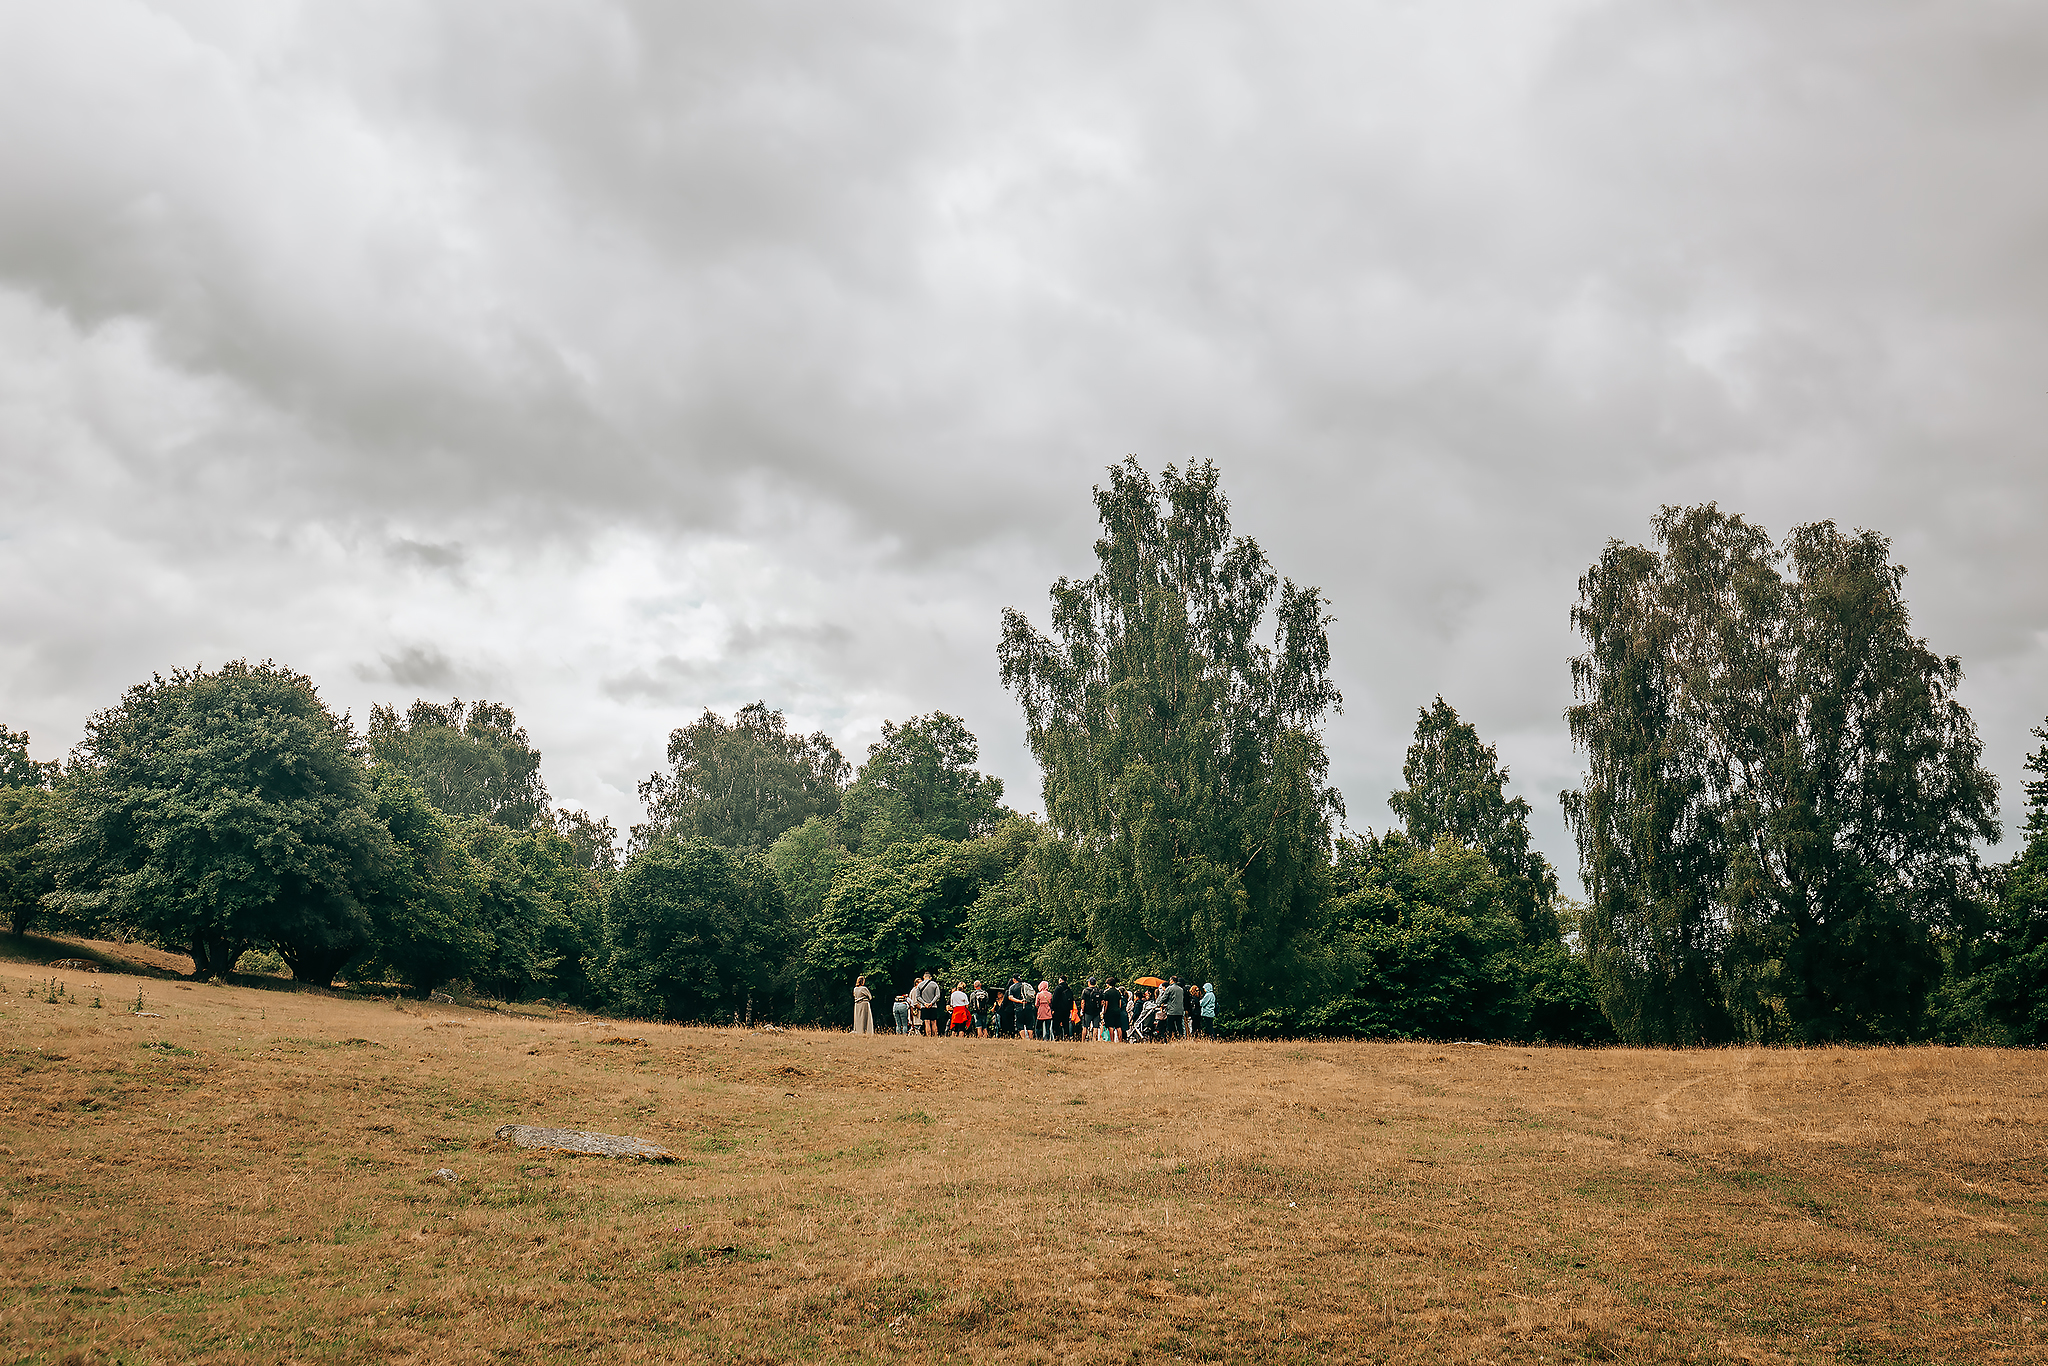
{"type": "Point", "coordinates": [1045, 1011]}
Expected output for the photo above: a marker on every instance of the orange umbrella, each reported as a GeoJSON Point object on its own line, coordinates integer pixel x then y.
{"type": "Point", "coordinates": [1147, 982]}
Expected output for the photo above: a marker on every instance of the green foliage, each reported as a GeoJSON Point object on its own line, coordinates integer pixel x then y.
{"type": "Point", "coordinates": [699, 932]}
{"type": "Point", "coordinates": [904, 907]}
{"type": "Point", "coordinates": [1024, 920]}
{"type": "Point", "coordinates": [25, 869]}
{"type": "Point", "coordinates": [593, 843]}
{"type": "Point", "coordinates": [261, 961]}
{"type": "Point", "coordinates": [424, 901]}
{"type": "Point", "coordinates": [26, 873]}
{"type": "Point", "coordinates": [1999, 992]}
{"type": "Point", "coordinates": [16, 768]}
{"type": "Point", "coordinates": [521, 880]}
{"type": "Point", "coordinates": [1783, 792]}
{"type": "Point", "coordinates": [806, 860]}
{"type": "Point", "coordinates": [741, 784]}
{"type": "Point", "coordinates": [920, 780]}
{"type": "Point", "coordinates": [220, 810]}
{"type": "Point", "coordinates": [1428, 942]}
{"type": "Point", "coordinates": [471, 759]}
{"type": "Point", "coordinates": [1182, 757]}
{"type": "Point", "coordinates": [1457, 789]}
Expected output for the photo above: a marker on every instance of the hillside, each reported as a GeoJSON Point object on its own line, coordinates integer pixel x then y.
{"type": "Point", "coordinates": [251, 1176]}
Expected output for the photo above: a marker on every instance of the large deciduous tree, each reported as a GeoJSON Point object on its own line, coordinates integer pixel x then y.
{"type": "Point", "coordinates": [1181, 753]}
{"type": "Point", "coordinates": [740, 784]}
{"type": "Point", "coordinates": [220, 810]}
{"type": "Point", "coordinates": [471, 759]}
{"type": "Point", "coordinates": [1783, 792]}
{"type": "Point", "coordinates": [920, 780]}
{"type": "Point", "coordinates": [905, 906]}
{"type": "Point", "coordinates": [700, 931]}
{"type": "Point", "coordinates": [424, 901]}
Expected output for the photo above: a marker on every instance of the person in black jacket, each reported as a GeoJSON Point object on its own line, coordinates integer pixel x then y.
{"type": "Point", "coordinates": [1062, 1009]}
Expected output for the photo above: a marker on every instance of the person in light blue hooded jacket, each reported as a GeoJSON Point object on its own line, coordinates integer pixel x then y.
{"type": "Point", "coordinates": [1207, 1014]}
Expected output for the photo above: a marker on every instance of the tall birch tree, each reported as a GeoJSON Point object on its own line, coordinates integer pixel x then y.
{"type": "Point", "coordinates": [1182, 753]}
{"type": "Point", "coordinates": [1783, 794]}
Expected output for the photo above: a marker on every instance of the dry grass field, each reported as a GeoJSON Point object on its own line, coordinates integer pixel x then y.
{"type": "Point", "coordinates": [250, 1177]}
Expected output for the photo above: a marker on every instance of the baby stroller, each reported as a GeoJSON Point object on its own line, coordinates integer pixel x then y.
{"type": "Point", "coordinates": [1146, 1024]}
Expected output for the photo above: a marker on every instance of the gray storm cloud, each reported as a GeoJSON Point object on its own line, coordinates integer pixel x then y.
{"type": "Point", "coordinates": [621, 360]}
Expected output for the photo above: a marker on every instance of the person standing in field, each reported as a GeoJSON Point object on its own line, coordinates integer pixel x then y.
{"type": "Point", "coordinates": [1173, 1005]}
{"type": "Point", "coordinates": [1209, 1009]}
{"type": "Point", "coordinates": [977, 1007]}
{"type": "Point", "coordinates": [863, 1009]}
{"type": "Point", "coordinates": [1020, 998]}
{"type": "Point", "coordinates": [903, 1013]}
{"type": "Point", "coordinates": [1091, 1011]}
{"type": "Point", "coordinates": [1045, 1011]}
{"type": "Point", "coordinates": [1115, 1012]}
{"type": "Point", "coordinates": [956, 1022]}
{"type": "Point", "coordinates": [928, 1004]}
{"type": "Point", "coordinates": [1062, 1007]}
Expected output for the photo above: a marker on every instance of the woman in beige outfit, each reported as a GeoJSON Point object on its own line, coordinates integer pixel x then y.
{"type": "Point", "coordinates": [863, 1013]}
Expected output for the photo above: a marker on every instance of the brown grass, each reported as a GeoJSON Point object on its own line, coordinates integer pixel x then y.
{"type": "Point", "coordinates": [250, 1178]}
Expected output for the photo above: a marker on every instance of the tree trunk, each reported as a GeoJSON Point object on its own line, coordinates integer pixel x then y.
{"type": "Point", "coordinates": [214, 955]}
{"type": "Point", "coordinates": [317, 964]}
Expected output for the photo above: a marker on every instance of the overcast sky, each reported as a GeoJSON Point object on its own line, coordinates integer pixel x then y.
{"type": "Point", "coordinates": [614, 361]}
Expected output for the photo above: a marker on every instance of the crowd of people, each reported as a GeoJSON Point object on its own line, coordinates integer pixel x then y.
{"type": "Point", "coordinates": [1107, 1011]}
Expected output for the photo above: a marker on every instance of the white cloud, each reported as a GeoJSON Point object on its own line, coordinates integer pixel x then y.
{"type": "Point", "coordinates": [616, 360]}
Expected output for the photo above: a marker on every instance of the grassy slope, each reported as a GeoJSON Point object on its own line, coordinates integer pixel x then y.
{"type": "Point", "coordinates": [249, 1178]}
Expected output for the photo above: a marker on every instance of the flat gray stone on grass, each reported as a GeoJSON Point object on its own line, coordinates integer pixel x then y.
{"type": "Point", "coordinates": [577, 1141]}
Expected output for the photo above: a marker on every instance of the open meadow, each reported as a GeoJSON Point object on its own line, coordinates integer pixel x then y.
{"type": "Point", "coordinates": [249, 1174]}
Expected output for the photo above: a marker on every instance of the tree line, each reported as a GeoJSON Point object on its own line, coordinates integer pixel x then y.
{"type": "Point", "coordinates": [1779, 824]}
